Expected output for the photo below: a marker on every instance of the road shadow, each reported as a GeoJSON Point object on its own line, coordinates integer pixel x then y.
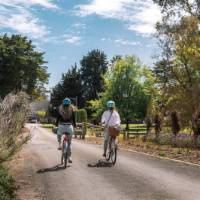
{"type": "Point", "coordinates": [51, 169]}
{"type": "Point", "coordinates": [101, 163]}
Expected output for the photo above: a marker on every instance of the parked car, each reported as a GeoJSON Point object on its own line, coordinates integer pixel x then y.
{"type": "Point", "coordinates": [33, 119]}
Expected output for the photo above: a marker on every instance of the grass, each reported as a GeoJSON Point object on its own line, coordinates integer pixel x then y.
{"type": "Point", "coordinates": [49, 126]}
{"type": "Point", "coordinates": [139, 126]}
{"type": "Point", "coordinates": [7, 188]}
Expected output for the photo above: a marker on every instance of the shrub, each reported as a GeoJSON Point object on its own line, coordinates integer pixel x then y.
{"type": "Point", "coordinates": [157, 125]}
{"type": "Point", "coordinates": [14, 111]}
{"type": "Point", "coordinates": [6, 185]}
{"type": "Point", "coordinates": [81, 115]}
{"type": "Point", "coordinates": [41, 113]}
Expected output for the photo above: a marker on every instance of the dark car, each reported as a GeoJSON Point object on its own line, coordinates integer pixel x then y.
{"type": "Point", "coordinates": [33, 119]}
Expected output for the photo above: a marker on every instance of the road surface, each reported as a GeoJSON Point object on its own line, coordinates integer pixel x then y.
{"type": "Point", "coordinates": [135, 176]}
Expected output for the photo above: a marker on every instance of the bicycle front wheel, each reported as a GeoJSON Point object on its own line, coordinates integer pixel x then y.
{"type": "Point", "coordinates": [113, 153]}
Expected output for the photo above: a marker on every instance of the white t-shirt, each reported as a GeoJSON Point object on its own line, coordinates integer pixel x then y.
{"type": "Point", "coordinates": [114, 119]}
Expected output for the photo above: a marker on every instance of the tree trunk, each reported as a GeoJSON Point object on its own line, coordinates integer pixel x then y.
{"type": "Point", "coordinates": [127, 124]}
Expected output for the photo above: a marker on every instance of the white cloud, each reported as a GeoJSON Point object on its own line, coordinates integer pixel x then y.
{"type": "Point", "coordinates": [17, 15]}
{"type": "Point", "coordinates": [43, 3]}
{"type": "Point", "coordinates": [72, 39]}
{"type": "Point", "coordinates": [139, 15]}
{"type": "Point", "coordinates": [127, 42]}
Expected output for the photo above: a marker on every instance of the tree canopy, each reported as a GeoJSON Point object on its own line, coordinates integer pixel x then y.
{"type": "Point", "coordinates": [93, 67]}
{"type": "Point", "coordinates": [124, 85]}
{"type": "Point", "coordinates": [69, 86]}
{"type": "Point", "coordinates": [21, 67]}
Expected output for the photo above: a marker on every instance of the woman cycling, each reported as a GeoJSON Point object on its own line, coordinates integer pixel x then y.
{"type": "Point", "coordinates": [66, 123]}
{"type": "Point", "coordinates": [110, 118]}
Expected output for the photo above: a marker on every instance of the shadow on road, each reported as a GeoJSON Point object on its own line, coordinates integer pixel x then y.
{"type": "Point", "coordinates": [51, 169]}
{"type": "Point", "coordinates": [101, 163]}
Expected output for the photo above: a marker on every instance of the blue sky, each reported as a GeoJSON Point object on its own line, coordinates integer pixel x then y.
{"type": "Point", "coordinates": [67, 29]}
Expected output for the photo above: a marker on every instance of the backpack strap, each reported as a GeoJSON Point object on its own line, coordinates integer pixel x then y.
{"type": "Point", "coordinates": [109, 118]}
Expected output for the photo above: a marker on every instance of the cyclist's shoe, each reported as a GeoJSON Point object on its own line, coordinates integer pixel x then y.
{"type": "Point", "coordinates": [70, 160]}
{"type": "Point", "coordinates": [104, 155]}
{"type": "Point", "coordinates": [59, 147]}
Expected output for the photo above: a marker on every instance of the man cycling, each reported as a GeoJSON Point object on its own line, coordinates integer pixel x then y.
{"type": "Point", "coordinates": [65, 122]}
{"type": "Point", "coordinates": [110, 118]}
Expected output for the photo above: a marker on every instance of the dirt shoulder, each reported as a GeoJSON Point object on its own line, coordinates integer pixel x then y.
{"type": "Point", "coordinates": [22, 169]}
{"type": "Point", "coordinates": [167, 151]}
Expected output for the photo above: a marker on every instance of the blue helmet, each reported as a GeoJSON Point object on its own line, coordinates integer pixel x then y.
{"type": "Point", "coordinates": [66, 102]}
{"type": "Point", "coordinates": [110, 104]}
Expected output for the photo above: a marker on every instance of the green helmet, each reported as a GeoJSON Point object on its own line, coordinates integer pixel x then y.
{"type": "Point", "coordinates": [110, 104]}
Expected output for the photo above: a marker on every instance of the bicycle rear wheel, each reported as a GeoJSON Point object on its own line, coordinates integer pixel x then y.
{"type": "Point", "coordinates": [65, 159]}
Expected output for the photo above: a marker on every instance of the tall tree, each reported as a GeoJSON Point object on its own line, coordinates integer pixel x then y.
{"type": "Point", "coordinates": [125, 87]}
{"type": "Point", "coordinates": [178, 71]}
{"type": "Point", "coordinates": [69, 86]}
{"type": "Point", "coordinates": [93, 68]}
{"type": "Point", "coordinates": [21, 67]}
{"type": "Point", "coordinates": [172, 7]}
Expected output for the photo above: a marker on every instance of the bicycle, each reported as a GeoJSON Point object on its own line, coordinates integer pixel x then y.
{"type": "Point", "coordinates": [112, 146]}
{"type": "Point", "coordinates": [65, 150]}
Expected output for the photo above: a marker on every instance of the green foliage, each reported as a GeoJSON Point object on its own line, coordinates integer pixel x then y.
{"type": "Point", "coordinates": [69, 86]}
{"type": "Point", "coordinates": [125, 86]}
{"type": "Point", "coordinates": [21, 67]}
{"type": "Point", "coordinates": [172, 7]}
{"type": "Point", "coordinates": [41, 113]}
{"type": "Point", "coordinates": [178, 73]}
{"type": "Point", "coordinates": [7, 187]}
{"type": "Point", "coordinates": [93, 68]}
{"type": "Point", "coordinates": [49, 126]}
{"type": "Point", "coordinates": [81, 115]}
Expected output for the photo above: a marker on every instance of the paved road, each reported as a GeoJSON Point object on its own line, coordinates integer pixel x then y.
{"type": "Point", "coordinates": [135, 176]}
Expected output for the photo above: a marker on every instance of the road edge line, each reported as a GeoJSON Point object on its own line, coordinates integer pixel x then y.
{"type": "Point", "coordinates": [160, 157]}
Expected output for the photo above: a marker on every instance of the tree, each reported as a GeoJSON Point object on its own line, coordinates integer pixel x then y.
{"type": "Point", "coordinates": [69, 86]}
{"type": "Point", "coordinates": [172, 7]}
{"type": "Point", "coordinates": [125, 87]}
{"type": "Point", "coordinates": [93, 67]}
{"type": "Point", "coordinates": [21, 67]}
{"type": "Point", "coordinates": [178, 71]}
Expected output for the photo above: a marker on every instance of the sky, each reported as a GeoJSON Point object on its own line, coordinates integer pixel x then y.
{"type": "Point", "coordinates": [66, 30]}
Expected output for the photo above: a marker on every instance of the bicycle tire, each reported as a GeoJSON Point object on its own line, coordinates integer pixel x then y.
{"type": "Point", "coordinates": [113, 154]}
{"type": "Point", "coordinates": [62, 157]}
{"type": "Point", "coordinates": [65, 160]}
{"type": "Point", "coordinates": [108, 152]}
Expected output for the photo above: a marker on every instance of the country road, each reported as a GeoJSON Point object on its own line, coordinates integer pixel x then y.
{"type": "Point", "coordinates": [135, 176]}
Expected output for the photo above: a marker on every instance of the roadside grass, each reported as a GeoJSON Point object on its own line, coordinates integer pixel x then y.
{"type": "Point", "coordinates": [47, 126]}
{"type": "Point", "coordinates": [7, 185]}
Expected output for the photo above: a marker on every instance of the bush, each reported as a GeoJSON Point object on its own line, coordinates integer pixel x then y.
{"type": "Point", "coordinates": [6, 185]}
{"type": "Point", "coordinates": [41, 113]}
{"type": "Point", "coordinates": [14, 112]}
{"type": "Point", "coordinates": [81, 115]}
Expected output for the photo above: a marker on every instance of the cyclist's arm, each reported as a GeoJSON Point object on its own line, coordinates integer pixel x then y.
{"type": "Point", "coordinates": [58, 119]}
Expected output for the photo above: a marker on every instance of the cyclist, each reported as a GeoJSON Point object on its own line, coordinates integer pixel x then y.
{"type": "Point", "coordinates": [110, 118]}
{"type": "Point", "coordinates": [66, 123]}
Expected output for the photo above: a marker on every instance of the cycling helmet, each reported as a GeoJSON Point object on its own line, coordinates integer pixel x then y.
{"type": "Point", "coordinates": [110, 104]}
{"type": "Point", "coordinates": [66, 102]}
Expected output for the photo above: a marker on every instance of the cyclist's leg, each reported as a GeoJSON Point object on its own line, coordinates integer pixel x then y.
{"type": "Point", "coordinates": [106, 139]}
{"type": "Point", "coordinates": [59, 135]}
